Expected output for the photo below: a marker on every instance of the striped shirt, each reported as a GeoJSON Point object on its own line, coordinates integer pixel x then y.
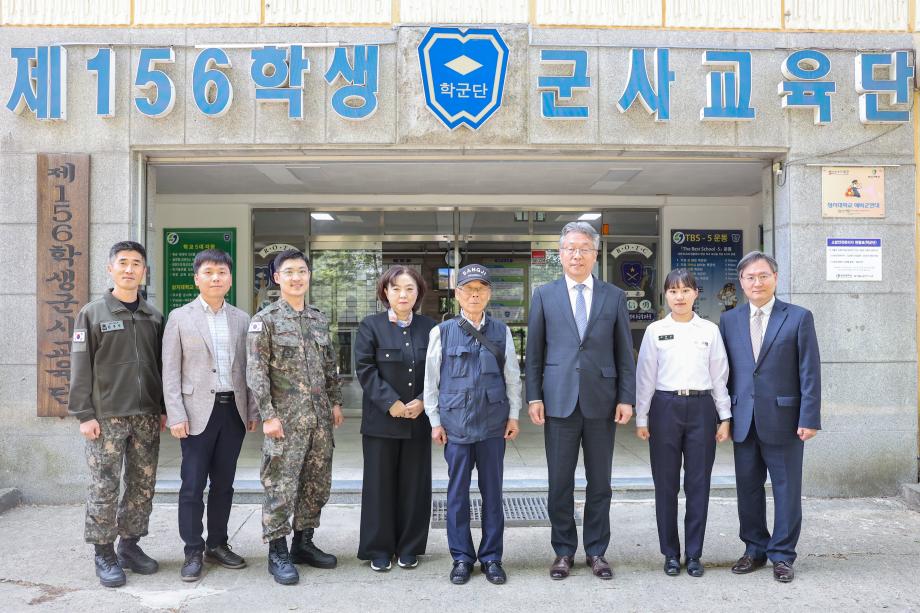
{"type": "Point", "coordinates": [220, 338]}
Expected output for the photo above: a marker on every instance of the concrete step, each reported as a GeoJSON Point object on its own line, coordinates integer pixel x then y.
{"type": "Point", "coordinates": [10, 497]}
{"type": "Point", "coordinates": [248, 491]}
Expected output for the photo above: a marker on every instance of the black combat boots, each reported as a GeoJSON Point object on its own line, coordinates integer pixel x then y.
{"type": "Point", "coordinates": [303, 551]}
{"type": "Point", "coordinates": [133, 558]}
{"type": "Point", "coordinates": [279, 562]}
{"type": "Point", "coordinates": [107, 569]}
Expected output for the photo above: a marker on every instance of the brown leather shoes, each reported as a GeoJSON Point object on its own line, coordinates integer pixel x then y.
{"type": "Point", "coordinates": [783, 572]}
{"type": "Point", "coordinates": [746, 564]}
{"type": "Point", "coordinates": [561, 567]}
{"type": "Point", "coordinates": [600, 567]}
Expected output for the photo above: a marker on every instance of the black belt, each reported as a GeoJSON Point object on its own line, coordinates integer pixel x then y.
{"type": "Point", "coordinates": [686, 392]}
{"type": "Point", "coordinates": [223, 396]}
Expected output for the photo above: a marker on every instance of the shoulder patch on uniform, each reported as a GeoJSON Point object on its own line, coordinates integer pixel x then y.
{"type": "Point", "coordinates": [255, 326]}
{"type": "Point", "coordinates": [79, 335]}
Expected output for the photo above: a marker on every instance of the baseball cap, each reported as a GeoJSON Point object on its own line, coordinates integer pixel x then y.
{"type": "Point", "coordinates": [473, 272]}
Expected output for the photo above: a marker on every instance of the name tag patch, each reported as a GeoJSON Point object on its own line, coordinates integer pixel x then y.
{"type": "Point", "coordinates": [666, 337]}
{"type": "Point", "coordinates": [111, 326]}
{"type": "Point", "coordinates": [255, 326]}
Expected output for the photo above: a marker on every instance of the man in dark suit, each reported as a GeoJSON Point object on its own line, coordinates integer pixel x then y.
{"type": "Point", "coordinates": [775, 388]}
{"type": "Point", "coordinates": [581, 382]}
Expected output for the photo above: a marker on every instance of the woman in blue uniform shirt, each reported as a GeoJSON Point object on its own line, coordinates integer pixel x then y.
{"type": "Point", "coordinates": [682, 410]}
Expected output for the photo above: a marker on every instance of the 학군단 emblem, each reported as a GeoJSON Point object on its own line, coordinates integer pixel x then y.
{"type": "Point", "coordinates": [463, 74]}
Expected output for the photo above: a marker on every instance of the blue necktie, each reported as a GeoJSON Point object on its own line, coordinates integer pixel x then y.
{"type": "Point", "coordinates": [581, 311]}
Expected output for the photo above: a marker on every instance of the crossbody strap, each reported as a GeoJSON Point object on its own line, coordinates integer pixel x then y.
{"type": "Point", "coordinates": [466, 326]}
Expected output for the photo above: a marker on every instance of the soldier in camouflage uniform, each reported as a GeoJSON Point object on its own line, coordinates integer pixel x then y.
{"type": "Point", "coordinates": [116, 394]}
{"type": "Point", "coordinates": [291, 371]}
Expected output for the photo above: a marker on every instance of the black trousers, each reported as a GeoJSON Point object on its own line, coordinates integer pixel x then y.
{"type": "Point", "coordinates": [395, 497]}
{"type": "Point", "coordinates": [683, 430]}
{"type": "Point", "coordinates": [563, 436]}
{"type": "Point", "coordinates": [211, 455]}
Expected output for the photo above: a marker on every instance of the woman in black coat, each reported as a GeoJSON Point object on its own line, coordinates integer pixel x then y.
{"type": "Point", "coordinates": [390, 364]}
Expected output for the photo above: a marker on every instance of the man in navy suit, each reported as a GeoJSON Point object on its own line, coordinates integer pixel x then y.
{"type": "Point", "coordinates": [581, 382]}
{"type": "Point", "coordinates": [775, 388]}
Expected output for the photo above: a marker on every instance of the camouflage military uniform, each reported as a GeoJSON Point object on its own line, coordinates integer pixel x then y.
{"type": "Point", "coordinates": [291, 371]}
{"type": "Point", "coordinates": [116, 379]}
{"type": "Point", "coordinates": [136, 440]}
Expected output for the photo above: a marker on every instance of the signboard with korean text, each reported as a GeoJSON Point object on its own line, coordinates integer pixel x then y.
{"type": "Point", "coordinates": [852, 191]}
{"type": "Point", "coordinates": [180, 245]}
{"type": "Point", "coordinates": [62, 271]}
{"type": "Point", "coordinates": [463, 74]}
{"type": "Point", "coordinates": [712, 256]}
{"type": "Point", "coordinates": [854, 259]}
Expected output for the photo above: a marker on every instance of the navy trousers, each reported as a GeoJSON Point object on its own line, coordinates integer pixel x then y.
{"type": "Point", "coordinates": [753, 458]}
{"type": "Point", "coordinates": [488, 457]}
{"type": "Point", "coordinates": [683, 431]}
{"type": "Point", "coordinates": [211, 455]}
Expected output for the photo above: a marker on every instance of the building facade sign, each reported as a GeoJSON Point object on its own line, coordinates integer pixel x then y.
{"type": "Point", "coordinates": [62, 272]}
{"type": "Point", "coordinates": [463, 74]}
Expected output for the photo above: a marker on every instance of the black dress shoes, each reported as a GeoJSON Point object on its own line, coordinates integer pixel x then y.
{"type": "Point", "coordinates": [561, 567]}
{"type": "Point", "coordinates": [460, 573]}
{"type": "Point", "coordinates": [783, 572]}
{"type": "Point", "coordinates": [191, 569]}
{"type": "Point", "coordinates": [600, 567]}
{"type": "Point", "coordinates": [223, 555]}
{"type": "Point", "coordinates": [671, 566]}
{"type": "Point", "coordinates": [695, 567]}
{"type": "Point", "coordinates": [746, 564]}
{"type": "Point", "coordinates": [494, 572]}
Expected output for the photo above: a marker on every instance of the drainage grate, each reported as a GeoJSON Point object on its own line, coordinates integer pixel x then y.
{"type": "Point", "coordinates": [521, 511]}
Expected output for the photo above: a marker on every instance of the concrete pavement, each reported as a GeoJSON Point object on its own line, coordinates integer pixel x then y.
{"type": "Point", "coordinates": [855, 555]}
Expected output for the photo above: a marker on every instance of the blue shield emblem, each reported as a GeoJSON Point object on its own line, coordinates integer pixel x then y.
{"type": "Point", "coordinates": [463, 74]}
{"type": "Point", "coordinates": [631, 273]}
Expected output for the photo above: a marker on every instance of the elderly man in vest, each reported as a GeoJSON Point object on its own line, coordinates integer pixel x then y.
{"type": "Point", "coordinates": [473, 397]}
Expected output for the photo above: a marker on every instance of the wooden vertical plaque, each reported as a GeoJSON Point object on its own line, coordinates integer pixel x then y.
{"type": "Point", "coordinates": [62, 271]}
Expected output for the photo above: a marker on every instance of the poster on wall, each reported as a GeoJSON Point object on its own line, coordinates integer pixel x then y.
{"type": "Point", "coordinates": [854, 259]}
{"type": "Point", "coordinates": [712, 256]}
{"type": "Point", "coordinates": [508, 282]}
{"type": "Point", "coordinates": [180, 245]}
{"type": "Point", "coordinates": [852, 191]}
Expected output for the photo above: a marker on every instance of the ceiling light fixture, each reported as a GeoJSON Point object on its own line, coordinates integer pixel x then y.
{"type": "Point", "coordinates": [322, 216]}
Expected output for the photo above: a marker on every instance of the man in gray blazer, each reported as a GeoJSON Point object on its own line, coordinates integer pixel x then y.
{"type": "Point", "coordinates": [581, 382]}
{"type": "Point", "coordinates": [208, 408]}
